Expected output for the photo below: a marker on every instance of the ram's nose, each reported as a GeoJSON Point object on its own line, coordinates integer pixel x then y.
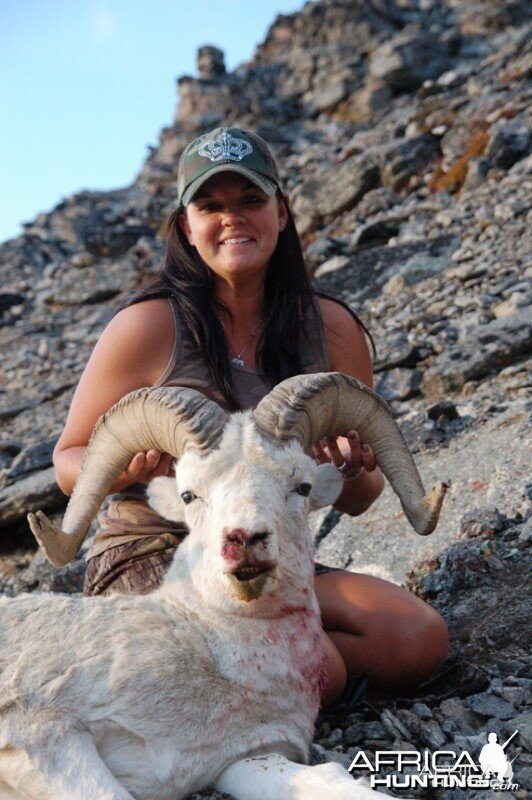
{"type": "Point", "coordinates": [238, 543]}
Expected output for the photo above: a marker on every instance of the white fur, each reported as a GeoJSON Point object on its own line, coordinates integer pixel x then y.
{"type": "Point", "coordinates": [124, 697]}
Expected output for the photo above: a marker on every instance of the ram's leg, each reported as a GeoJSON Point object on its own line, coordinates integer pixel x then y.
{"type": "Point", "coordinates": [274, 777]}
{"type": "Point", "coordinates": [62, 768]}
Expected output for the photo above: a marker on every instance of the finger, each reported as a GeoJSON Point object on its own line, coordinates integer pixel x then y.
{"type": "Point", "coordinates": [368, 458]}
{"type": "Point", "coordinates": [354, 445]}
{"type": "Point", "coordinates": [163, 467]}
{"type": "Point", "coordinates": [319, 454]}
{"type": "Point", "coordinates": [135, 465]}
{"type": "Point", "coordinates": [152, 458]}
{"type": "Point", "coordinates": [335, 453]}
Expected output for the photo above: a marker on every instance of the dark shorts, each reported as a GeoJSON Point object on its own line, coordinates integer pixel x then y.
{"type": "Point", "coordinates": [139, 567]}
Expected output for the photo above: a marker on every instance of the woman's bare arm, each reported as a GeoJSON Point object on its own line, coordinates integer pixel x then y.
{"type": "Point", "coordinates": [350, 354]}
{"type": "Point", "coordinates": [132, 352]}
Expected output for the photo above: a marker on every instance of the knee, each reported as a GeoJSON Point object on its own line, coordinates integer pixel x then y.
{"type": "Point", "coordinates": [420, 644]}
{"type": "Point", "coordinates": [336, 673]}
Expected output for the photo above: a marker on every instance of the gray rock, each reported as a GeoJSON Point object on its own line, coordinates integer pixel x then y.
{"type": "Point", "coordinates": [10, 299]}
{"type": "Point", "coordinates": [522, 723]}
{"type": "Point", "coordinates": [515, 302]}
{"type": "Point", "coordinates": [373, 97]}
{"type": "Point", "coordinates": [510, 141]}
{"type": "Point", "coordinates": [399, 384]}
{"type": "Point", "coordinates": [445, 409]}
{"type": "Point", "coordinates": [516, 695]}
{"type": "Point", "coordinates": [393, 726]}
{"type": "Point", "coordinates": [8, 451]}
{"type": "Point", "coordinates": [376, 201]}
{"type": "Point", "coordinates": [466, 720]}
{"type": "Point", "coordinates": [412, 722]}
{"type": "Point", "coordinates": [481, 522]}
{"type": "Point", "coordinates": [115, 240]}
{"type": "Point", "coordinates": [400, 159]}
{"type": "Point", "coordinates": [525, 534]}
{"type": "Point", "coordinates": [421, 710]}
{"type": "Point", "coordinates": [331, 265]}
{"type": "Point", "coordinates": [10, 410]}
{"type": "Point", "coordinates": [335, 190]}
{"type": "Point", "coordinates": [320, 251]}
{"type": "Point", "coordinates": [372, 267]}
{"type": "Point", "coordinates": [408, 59]}
{"type": "Point", "coordinates": [211, 62]}
{"type": "Point", "coordinates": [31, 458]}
{"type": "Point", "coordinates": [374, 233]}
{"type": "Point", "coordinates": [317, 754]}
{"type": "Point", "coordinates": [396, 350]}
{"type": "Point", "coordinates": [431, 734]}
{"type": "Point", "coordinates": [365, 731]}
{"type": "Point", "coordinates": [327, 98]}
{"type": "Point", "coordinates": [43, 577]}
{"type": "Point", "coordinates": [488, 705]}
{"type": "Point", "coordinates": [92, 284]}
{"type": "Point", "coordinates": [488, 348]}
{"type": "Point", "coordinates": [38, 491]}
{"type": "Point", "coordinates": [418, 268]}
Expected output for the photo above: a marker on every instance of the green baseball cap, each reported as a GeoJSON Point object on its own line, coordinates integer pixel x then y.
{"type": "Point", "coordinates": [226, 150]}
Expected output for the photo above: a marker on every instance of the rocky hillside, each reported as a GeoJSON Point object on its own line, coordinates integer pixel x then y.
{"type": "Point", "coordinates": [403, 132]}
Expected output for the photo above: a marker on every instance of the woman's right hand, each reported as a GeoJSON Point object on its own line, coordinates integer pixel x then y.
{"type": "Point", "coordinates": [145, 466]}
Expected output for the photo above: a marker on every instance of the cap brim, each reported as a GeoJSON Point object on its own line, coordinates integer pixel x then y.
{"type": "Point", "coordinates": [261, 181]}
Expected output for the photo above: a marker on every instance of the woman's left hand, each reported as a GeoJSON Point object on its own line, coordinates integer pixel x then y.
{"type": "Point", "coordinates": [363, 481]}
{"type": "Point", "coordinates": [349, 455]}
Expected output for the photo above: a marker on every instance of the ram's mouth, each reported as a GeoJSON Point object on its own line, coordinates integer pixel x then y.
{"type": "Point", "coordinates": [250, 573]}
{"type": "Point", "coordinates": [249, 581]}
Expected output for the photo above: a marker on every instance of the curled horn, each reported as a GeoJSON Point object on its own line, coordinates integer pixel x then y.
{"type": "Point", "coordinates": [168, 419]}
{"type": "Point", "coordinates": [309, 407]}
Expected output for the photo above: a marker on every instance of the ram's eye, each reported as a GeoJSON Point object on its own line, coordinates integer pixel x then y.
{"type": "Point", "coordinates": [188, 497]}
{"type": "Point", "coordinates": [304, 489]}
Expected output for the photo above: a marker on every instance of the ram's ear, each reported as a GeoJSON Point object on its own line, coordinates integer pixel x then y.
{"type": "Point", "coordinates": [327, 486]}
{"type": "Point", "coordinates": [163, 496]}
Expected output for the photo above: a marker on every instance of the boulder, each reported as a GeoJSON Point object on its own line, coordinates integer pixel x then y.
{"type": "Point", "coordinates": [409, 58]}
{"type": "Point", "coordinates": [486, 349]}
{"type": "Point", "coordinates": [37, 491]}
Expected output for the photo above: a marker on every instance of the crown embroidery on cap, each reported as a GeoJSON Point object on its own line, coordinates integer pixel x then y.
{"type": "Point", "coordinates": [225, 148]}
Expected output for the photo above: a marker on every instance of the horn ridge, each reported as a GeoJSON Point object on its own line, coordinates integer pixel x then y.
{"type": "Point", "coordinates": [309, 407]}
{"type": "Point", "coordinates": [169, 419]}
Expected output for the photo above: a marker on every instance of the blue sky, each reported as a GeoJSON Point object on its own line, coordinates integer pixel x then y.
{"type": "Point", "coordinates": [86, 86]}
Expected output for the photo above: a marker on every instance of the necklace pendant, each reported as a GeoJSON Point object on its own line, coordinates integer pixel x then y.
{"type": "Point", "coordinates": [238, 362]}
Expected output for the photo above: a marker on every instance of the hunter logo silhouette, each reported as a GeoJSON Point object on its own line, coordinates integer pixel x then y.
{"type": "Point", "coordinates": [493, 760]}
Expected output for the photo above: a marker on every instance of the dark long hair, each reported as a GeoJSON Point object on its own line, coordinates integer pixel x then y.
{"type": "Point", "coordinates": [288, 296]}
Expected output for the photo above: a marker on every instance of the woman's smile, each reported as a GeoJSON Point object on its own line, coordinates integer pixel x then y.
{"type": "Point", "coordinates": [237, 241]}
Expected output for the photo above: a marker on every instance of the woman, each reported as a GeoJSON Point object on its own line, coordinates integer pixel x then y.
{"type": "Point", "coordinates": [232, 314]}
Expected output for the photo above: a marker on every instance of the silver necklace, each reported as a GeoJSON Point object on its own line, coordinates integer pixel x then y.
{"type": "Point", "coordinates": [237, 359]}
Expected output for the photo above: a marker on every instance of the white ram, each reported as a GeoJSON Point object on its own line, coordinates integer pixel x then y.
{"type": "Point", "coordinates": [215, 677]}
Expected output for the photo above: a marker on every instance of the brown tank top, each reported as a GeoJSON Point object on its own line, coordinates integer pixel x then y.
{"type": "Point", "coordinates": [127, 516]}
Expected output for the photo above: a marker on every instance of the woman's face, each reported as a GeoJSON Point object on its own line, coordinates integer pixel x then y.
{"type": "Point", "coordinates": [233, 225]}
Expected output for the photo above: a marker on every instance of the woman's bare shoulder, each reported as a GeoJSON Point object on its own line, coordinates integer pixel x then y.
{"type": "Point", "coordinates": [145, 316]}
{"type": "Point", "coordinates": [138, 341]}
{"type": "Point", "coordinates": [347, 342]}
{"type": "Point", "coordinates": [133, 351]}
{"type": "Point", "coordinates": [334, 313]}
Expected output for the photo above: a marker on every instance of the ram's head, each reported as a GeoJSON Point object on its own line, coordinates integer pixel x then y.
{"type": "Point", "coordinates": [242, 480]}
{"type": "Point", "coordinates": [246, 504]}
